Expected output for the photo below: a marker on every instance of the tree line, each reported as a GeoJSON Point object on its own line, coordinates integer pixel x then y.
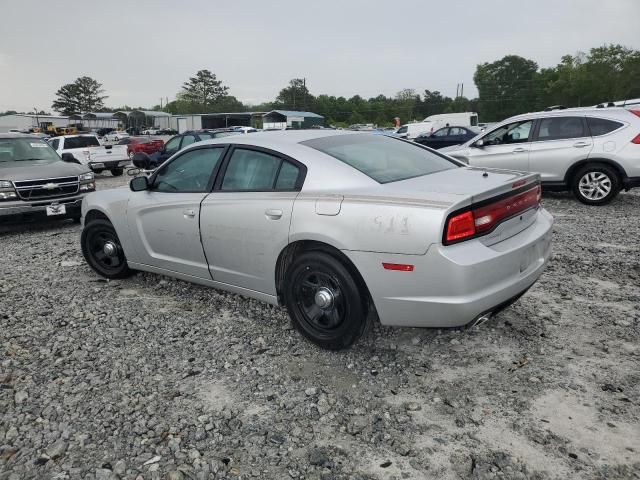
{"type": "Point", "coordinates": [506, 87]}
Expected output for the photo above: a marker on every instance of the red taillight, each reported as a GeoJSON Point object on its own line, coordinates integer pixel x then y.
{"type": "Point", "coordinates": [460, 226]}
{"type": "Point", "coordinates": [636, 139]}
{"type": "Point", "coordinates": [483, 219]}
{"type": "Point", "coordinates": [635, 112]}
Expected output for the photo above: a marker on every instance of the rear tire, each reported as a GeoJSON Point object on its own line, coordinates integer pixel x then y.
{"type": "Point", "coordinates": [596, 184]}
{"type": "Point", "coordinates": [116, 172]}
{"type": "Point", "coordinates": [325, 302]}
{"type": "Point", "coordinates": [102, 250]}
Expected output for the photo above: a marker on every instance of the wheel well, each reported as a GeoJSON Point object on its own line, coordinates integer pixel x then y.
{"type": "Point", "coordinates": [568, 178]}
{"type": "Point", "coordinates": [291, 251]}
{"type": "Point", "coordinates": [95, 215]}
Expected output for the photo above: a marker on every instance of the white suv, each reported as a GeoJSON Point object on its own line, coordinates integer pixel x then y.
{"type": "Point", "coordinates": [594, 152]}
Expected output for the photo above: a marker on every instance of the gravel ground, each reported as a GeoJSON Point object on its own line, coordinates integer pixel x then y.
{"type": "Point", "coordinates": [153, 378]}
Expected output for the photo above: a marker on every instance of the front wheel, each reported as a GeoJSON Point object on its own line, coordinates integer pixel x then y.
{"type": "Point", "coordinates": [596, 184]}
{"type": "Point", "coordinates": [324, 301]}
{"type": "Point", "coordinates": [102, 250]}
{"type": "Point", "coordinates": [116, 172]}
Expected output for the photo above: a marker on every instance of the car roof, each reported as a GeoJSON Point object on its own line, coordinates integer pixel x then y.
{"type": "Point", "coordinates": [587, 111]}
{"type": "Point", "coordinates": [281, 138]}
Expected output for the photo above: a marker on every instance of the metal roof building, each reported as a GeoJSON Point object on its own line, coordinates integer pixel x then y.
{"type": "Point", "coordinates": [291, 119]}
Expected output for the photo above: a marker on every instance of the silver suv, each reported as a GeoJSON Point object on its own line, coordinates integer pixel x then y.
{"type": "Point", "coordinates": [36, 183]}
{"type": "Point", "coordinates": [594, 152]}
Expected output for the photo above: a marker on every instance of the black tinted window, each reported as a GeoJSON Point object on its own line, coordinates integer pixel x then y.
{"type": "Point", "coordinates": [80, 142]}
{"type": "Point", "coordinates": [558, 128]}
{"type": "Point", "coordinates": [382, 158]}
{"type": "Point", "coordinates": [251, 170]}
{"type": "Point", "coordinates": [287, 177]}
{"type": "Point", "coordinates": [601, 126]}
{"type": "Point", "coordinates": [190, 172]}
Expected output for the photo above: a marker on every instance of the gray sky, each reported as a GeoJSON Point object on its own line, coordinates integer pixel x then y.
{"type": "Point", "coordinates": [143, 50]}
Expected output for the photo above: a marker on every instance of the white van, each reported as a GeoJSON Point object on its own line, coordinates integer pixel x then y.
{"type": "Point", "coordinates": [435, 122]}
{"type": "Point", "coordinates": [412, 130]}
{"type": "Point", "coordinates": [462, 119]}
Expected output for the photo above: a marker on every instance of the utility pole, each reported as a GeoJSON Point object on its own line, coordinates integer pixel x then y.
{"type": "Point", "coordinates": [462, 89]}
{"type": "Point", "coordinates": [160, 103]}
{"type": "Point", "coordinates": [304, 91]}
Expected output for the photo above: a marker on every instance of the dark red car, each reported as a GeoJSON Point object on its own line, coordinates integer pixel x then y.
{"type": "Point", "coordinates": [142, 144]}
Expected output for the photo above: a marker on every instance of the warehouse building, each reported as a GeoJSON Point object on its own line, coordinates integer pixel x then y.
{"type": "Point", "coordinates": [274, 119]}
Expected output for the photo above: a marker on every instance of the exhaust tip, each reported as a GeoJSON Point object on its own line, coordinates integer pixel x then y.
{"type": "Point", "coordinates": [480, 320]}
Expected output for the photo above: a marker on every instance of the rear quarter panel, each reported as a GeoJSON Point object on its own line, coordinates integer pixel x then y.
{"type": "Point", "coordinates": [371, 224]}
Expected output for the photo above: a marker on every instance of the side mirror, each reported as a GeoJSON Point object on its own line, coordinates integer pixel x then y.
{"type": "Point", "coordinates": [139, 184]}
{"type": "Point", "coordinates": [479, 143]}
{"type": "Point", "coordinates": [68, 157]}
{"type": "Point", "coordinates": [141, 160]}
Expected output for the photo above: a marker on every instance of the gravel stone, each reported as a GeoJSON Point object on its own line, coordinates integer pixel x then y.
{"type": "Point", "coordinates": [99, 377]}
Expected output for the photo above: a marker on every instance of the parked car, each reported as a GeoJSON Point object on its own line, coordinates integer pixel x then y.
{"type": "Point", "coordinates": [447, 137]}
{"type": "Point", "coordinates": [86, 149]}
{"type": "Point", "coordinates": [167, 131]}
{"type": "Point", "coordinates": [142, 144]}
{"type": "Point", "coordinates": [101, 132]}
{"type": "Point", "coordinates": [593, 152]}
{"type": "Point", "coordinates": [185, 139]}
{"type": "Point", "coordinates": [35, 182]}
{"type": "Point", "coordinates": [115, 136]}
{"type": "Point", "coordinates": [333, 225]}
{"type": "Point", "coordinates": [150, 131]}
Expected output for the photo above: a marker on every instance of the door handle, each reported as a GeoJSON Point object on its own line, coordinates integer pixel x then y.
{"type": "Point", "coordinates": [273, 213]}
{"type": "Point", "coordinates": [581, 144]}
{"type": "Point", "coordinates": [519, 150]}
{"type": "Point", "coordinates": [189, 213]}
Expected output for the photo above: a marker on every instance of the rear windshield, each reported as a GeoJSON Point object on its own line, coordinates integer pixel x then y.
{"type": "Point", "coordinates": [26, 149]}
{"type": "Point", "coordinates": [382, 158]}
{"type": "Point", "coordinates": [81, 142]}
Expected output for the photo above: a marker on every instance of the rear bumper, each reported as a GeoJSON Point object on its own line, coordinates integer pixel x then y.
{"type": "Point", "coordinates": [21, 211]}
{"type": "Point", "coordinates": [451, 286]}
{"type": "Point", "coordinates": [108, 165]}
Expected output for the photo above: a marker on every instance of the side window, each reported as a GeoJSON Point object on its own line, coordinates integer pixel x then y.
{"type": "Point", "coordinates": [402, 130]}
{"type": "Point", "coordinates": [456, 131]}
{"type": "Point", "coordinates": [172, 145]}
{"type": "Point", "coordinates": [55, 142]}
{"type": "Point", "coordinates": [190, 172]}
{"type": "Point", "coordinates": [187, 140]}
{"type": "Point", "coordinates": [250, 170]}
{"type": "Point", "coordinates": [558, 128]}
{"type": "Point", "coordinates": [517, 132]}
{"type": "Point", "coordinates": [443, 132]}
{"type": "Point", "coordinates": [287, 177]}
{"type": "Point", "coordinates": [602, 126]}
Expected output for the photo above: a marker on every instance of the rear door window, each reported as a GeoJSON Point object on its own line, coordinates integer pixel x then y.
{"type": "Point", "coordinates": [80, 142]}
{"type": "Point", "coordinates": [187, 140]}
{"type": "Point", "coordinates": [602, 126]}
{"type": "Point", "coordinates": [250, 170]}
{"type": "Point", "coordinates": [560, 128]}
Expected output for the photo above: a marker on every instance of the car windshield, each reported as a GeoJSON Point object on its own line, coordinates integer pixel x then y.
{"type": "Point", "coordinates": [26, 149]}
{"type": "Point", "coordinates": [382, 158]}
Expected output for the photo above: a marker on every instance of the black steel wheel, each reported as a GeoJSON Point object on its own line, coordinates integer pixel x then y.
{"type": "Point", "coordinates": [102, 250]}
{"type": "Point", "coordinates": [324, 301]}
{"type": "Point", "coordinates": [116, 172]}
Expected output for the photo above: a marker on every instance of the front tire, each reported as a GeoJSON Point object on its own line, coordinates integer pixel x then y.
{"type": "Point", "coordinates": [116, 172]}
{"type": "Point", "coordinates": [596, 184]}
{"type": "Point", "coordinates": [102, 250]}
{"type": "Point", "coordinates": [324, 301]}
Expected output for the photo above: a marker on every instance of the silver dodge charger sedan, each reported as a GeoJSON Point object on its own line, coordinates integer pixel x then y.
{"type": "Point", "coordinates": [336, 226]}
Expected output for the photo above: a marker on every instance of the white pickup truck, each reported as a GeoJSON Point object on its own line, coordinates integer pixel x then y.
{"type": "Point", "coordinates": [88, 151]}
